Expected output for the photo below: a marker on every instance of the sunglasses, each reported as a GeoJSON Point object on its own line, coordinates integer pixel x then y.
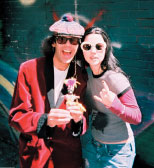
{"type": "Point", "coordinates": [86, 46]}
{"type": "Point", "coordinates": [72, 40]}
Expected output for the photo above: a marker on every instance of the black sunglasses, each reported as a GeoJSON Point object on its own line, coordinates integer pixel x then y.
{"type": "Point", "coordinates": [63, 40]}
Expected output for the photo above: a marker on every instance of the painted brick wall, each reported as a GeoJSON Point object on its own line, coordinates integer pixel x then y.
{"type": "Point", "coordinates": [130, 24]}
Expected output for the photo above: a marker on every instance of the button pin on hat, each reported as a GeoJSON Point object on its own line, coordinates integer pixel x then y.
{"type": "Point", "coordinates": [67, 26]}
{"type": "Point", "coordinates": [67, 18]}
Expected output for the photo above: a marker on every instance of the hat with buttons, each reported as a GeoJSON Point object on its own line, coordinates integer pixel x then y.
{"type": "Point", "coordinates": [67, 26]}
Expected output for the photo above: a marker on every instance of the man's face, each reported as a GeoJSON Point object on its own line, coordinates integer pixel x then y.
{"type": "Point", "coordinates": [64, 51]}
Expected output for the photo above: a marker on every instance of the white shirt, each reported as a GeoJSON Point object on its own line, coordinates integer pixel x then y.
{"type": "Point", "coordinates": [59, 77]}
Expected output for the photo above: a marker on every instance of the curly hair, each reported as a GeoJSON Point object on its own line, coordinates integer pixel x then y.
{"type": "Point", "coordinates": [47, 48]}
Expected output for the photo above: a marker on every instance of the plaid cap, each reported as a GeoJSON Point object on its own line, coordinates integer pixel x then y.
{"type": "Point", "coordinates": [66, 26]}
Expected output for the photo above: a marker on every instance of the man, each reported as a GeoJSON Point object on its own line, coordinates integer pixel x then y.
{"type": "Point", "coordinates": [50, 130]}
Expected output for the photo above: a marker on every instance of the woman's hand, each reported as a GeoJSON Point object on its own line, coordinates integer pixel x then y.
{"type": "Point", "coordinates": [106, 96]}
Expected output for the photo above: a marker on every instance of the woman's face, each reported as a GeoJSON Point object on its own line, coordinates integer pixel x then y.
{"type": "Point", "coordinates": [94, 48]}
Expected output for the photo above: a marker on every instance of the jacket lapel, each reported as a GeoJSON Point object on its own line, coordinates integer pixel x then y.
{"type": "Point", "coordinates": [49, 77]}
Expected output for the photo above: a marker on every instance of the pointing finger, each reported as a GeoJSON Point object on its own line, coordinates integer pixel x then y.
{"type": "Point", "coordinates": [105, 86]}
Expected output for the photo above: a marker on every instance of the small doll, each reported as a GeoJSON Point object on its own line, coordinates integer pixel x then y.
{"type": "Point", "coordinates": [71, 84]}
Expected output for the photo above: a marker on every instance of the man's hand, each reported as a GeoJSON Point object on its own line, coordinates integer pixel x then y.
{"type": "Point", "coordinates": [58, 117]}
{"type": "Point", "coordinates": [106, 96]}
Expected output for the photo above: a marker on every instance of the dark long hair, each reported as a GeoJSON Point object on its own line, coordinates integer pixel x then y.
{"type": "Point", "coordinates": [47, 49]}
{"type": "Point", "coordinates": [109, 62]}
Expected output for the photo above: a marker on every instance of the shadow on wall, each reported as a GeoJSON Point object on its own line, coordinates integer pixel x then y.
{"type": "Point", "coordinates": [9, 137]}
{"type": "Point", "coordinates": [144, 132]}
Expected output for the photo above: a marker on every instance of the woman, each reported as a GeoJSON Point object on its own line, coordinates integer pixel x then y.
{"type": "Point", "coordinates": [109, 141]}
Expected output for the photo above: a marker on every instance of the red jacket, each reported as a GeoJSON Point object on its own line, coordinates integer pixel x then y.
{"type": "Point", "coordinates": [39, 145]}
